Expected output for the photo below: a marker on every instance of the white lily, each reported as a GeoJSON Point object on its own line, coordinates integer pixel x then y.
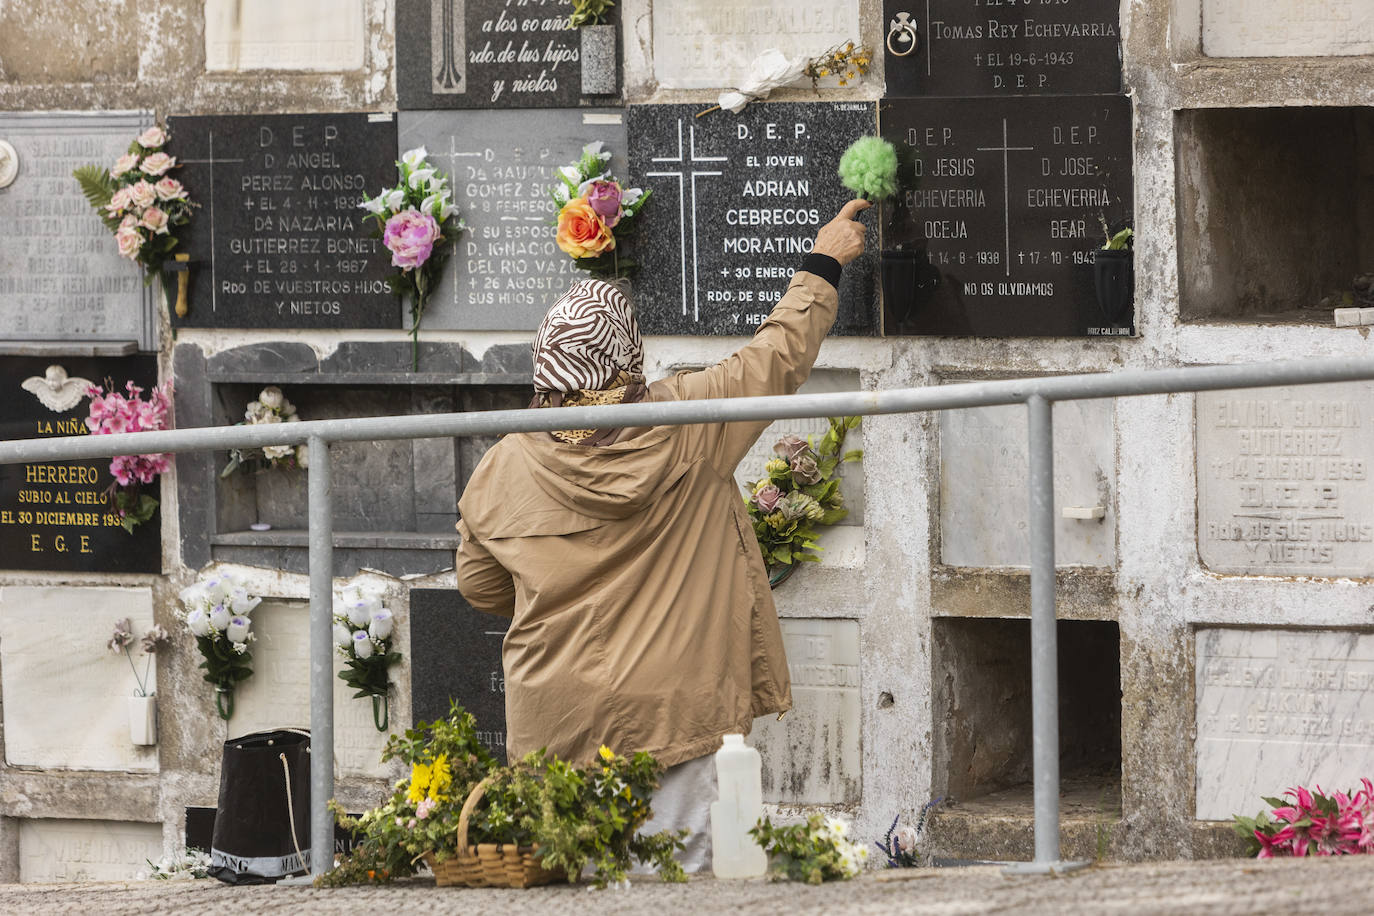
{"type": "Point", "coordinates": [420, 177]}
{"type": "Point", "coordinates": [413, 157]}
{"type": "Point", "coordinates": [395, 199]}
{"type": "Point", "coordinates": [375, 205]}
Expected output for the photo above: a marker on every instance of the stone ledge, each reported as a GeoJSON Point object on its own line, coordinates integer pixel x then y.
{"type": "Point", "coordinates": [117, 796]}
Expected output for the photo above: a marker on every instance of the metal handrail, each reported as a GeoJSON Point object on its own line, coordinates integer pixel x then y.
{"type": "Point", "coordinates": [1038, 394]}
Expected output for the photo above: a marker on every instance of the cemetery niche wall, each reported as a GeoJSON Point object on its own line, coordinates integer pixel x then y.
{"type": "Point", "coordinates": [60, 515]}
{"type": "Point", "coordinates": [62, 281]}
{"type": "Point", "coordinates": [737, 202]}
{"type": "Point", "coordinates": [280, 241]}
{"type": "Point", "coordinates": [507, 268]}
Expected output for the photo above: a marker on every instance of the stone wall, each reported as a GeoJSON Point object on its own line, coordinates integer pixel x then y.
{"type": "Point", "coordinates": [901, 667]}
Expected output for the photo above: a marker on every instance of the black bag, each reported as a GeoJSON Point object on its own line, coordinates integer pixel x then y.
{"type": "Point", "coordinates": [264, 809]}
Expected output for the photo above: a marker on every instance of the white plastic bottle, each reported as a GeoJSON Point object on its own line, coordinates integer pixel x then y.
{"type": "Point", "coordinates": [739, 775]}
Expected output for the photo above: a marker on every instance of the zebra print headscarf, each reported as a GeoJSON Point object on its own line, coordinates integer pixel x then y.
{"type": "Point", "coordinates": [588, 338]}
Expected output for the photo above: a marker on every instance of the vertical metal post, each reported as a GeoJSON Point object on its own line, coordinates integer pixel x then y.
{"type": "Point", "coordinates": [1044, 642]}
{"type": "Point", "coordinates": [321, 659]}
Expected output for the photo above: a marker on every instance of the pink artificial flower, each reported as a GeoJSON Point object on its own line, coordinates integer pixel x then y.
{"type": "Point", "coordinates": [124, 164]}
{"type": "Point", "coordinates": [119, 202]}
{"type": "Point", "coordinates": [410, 236]}
{"type": "Point", "coordinates": [604, 196]}
{"type": "Point", "coordinates": [170, 189]}
{"type": "Point", "coordinates": [1267, 845]}
{"type": "Point", "coordinates": [142, 194]}
{"type": "Point", "coordinates": [130, 241]}
{"type": "Point", "coordinates": [152, 138]}
{"type": "Point", "coordinates": [767, 498]}
{"type": "Point", "coordinates": [119, 468]}
{"type": "Point", "coordinates": [155, 219]}
{"type": "Point", "coordinates": [158, 163]}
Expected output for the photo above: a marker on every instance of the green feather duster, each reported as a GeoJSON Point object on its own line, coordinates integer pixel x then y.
{"type": "Point", "coordinates": [869, 168]}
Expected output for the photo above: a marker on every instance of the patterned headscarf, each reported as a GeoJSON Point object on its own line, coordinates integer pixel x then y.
{"type": "Point", "coordinates": [588, 351]}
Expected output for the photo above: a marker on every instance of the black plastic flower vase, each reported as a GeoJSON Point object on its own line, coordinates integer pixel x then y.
{"type": "Point", "coordinates": [1114, 281]}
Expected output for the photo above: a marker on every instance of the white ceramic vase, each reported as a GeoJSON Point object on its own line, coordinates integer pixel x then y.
{"type": "Point", "coordinates": [143, 720]}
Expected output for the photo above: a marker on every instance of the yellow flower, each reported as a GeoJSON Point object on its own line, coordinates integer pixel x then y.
{"type": "Point", "coordinates": [606, 753]}
{"type": "Point", "coordinates": [420, 775]}
{"type": "Point", "coordinates": [441, 777]}
{"type": "Point", "coordinates": [775, 466]}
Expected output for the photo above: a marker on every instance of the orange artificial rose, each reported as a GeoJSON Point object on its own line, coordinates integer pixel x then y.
{"type": "Point", "coordinates": [581, 233]}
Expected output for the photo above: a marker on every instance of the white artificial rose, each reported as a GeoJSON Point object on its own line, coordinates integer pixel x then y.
{"type": "Point", "coordinates": [342, 635]}
{"type": "Point", "coordinates": [412, 158]}
{"type": "Point", "coordinates": [218, 587]}
{"type": "Point", "coordinates": [243, 603]}
{"type": "Point", "coordinates": [237, 631]}
{"type": "Point", "coordinates": [303, 456]}
{"type": "Point", "coordinates": [350, 594]}
{"type": "Point", "coordinates": [124, 164]}
{"type": "Point", "coordinates": [362, 644]}
{"type": "Point", "coordinates": [198, 622]}
{"type": "Point", "coordinates": [275, 452]}
{"type": "Point", "coordinates": [271, 397]}
{"type": "Point", "coordinates": [219, 617]}
{"type": "Point", "coordinates": [193, 595]}
{"type": "Point", "coordinates": [359, 614]}
{"type": "Point", "coordinates": [152, 138]}
{"type": "Point", "coordinates": [570, 172]}
{"type": "Point", "coordinates": [380, 628]}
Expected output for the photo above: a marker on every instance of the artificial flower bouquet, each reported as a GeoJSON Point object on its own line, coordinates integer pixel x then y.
{"type": "Point", "coordinates": [1307, 822]}
{"type": "Point", "coordinates": [271, 406]}
{"type": "Point", "coordinates": [414, 220]}
{"type": "Point", "coordinates": [800, 491]}
{"type": "Point", "coordinates": [139, 201]}
{"type": "Point", "coordinates": [814, 851]}
{"type": "Point", "coordinates": [593, 208]}
{"type": "Point", "coordinates": [122, 641]}
{"type": "Point", "coordinates": [215, 609]}
{"type": "Point", "coordinates": [901, 845]}
{"type": "Point", "coordinates": [362, 635]}
{"type": "Point", "coordinates": [131, 413]}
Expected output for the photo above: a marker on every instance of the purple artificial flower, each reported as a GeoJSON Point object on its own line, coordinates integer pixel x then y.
{"type": "Point", "coordinates": [410, 236]}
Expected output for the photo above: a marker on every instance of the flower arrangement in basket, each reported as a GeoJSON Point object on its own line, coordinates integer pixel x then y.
{"type": "Point", "coordinates": [413, 219]}
{"type": "Point", "coordinates": [592, 209]}
{"type": "Point", "coordinates": [215, 609]}
{"type": "Point", "coordinates": [362, 635]}
{"type": "Point", "coordinates": [139, 201]}
{"type": "Point", "coordinates": [814, 851]}
{"type": "Point", "coordinates": [119, 413]}
{"type": "Point", "coordinates": [271, 406]}
{"type": "Point", "coordinates": [1306, 822]}
{"type": "Point", "coordinates": [800, 491]}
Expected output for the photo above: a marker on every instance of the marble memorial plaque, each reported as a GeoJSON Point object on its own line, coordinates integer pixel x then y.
{"type": "Point", "coordinates": [966, 49]}
{"type": "Point", "coordinates": [59, 851]}
{"type": "Point", "coordinates": [487, 54]}
{"type": "Point", "coordinates": [507, 269]}
{"type": "Point", "coordinates": [1005, 214]}
{"type": "Point", "coordinates": [1283, 480]}
{"type": "Point", "coordinates": [65, 692]}
{"type": "Point", "coordinates": [983, 485]}
{"type": "Point", "coordinates": [278, 693]}
{"type": "Point", "coordinates": [57, 515]}
{"type": "Point", "coordinates": [737, 202]}
{"type": "Point", "coordinates": [709, 44]}
{"type": "Point", "coordinates": [813, 756]}
{"type": "Point", "coordinates": [61, 276]}
{"type": "Point", "coordinates": [1278, 708]}
{"type": "Point", "coordinates": [271, 35]}
{"type": "Point", "coordinates": [458, 657]}
{"type": "Point", "coordinates": [1287, 28]}
{"type": "Point", "coordinates": [280, 240]}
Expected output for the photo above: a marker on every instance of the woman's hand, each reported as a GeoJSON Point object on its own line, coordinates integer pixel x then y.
{"type": "Point", "coordinates": [843, 237]}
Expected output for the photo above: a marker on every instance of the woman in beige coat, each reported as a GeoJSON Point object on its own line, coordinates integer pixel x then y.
{"type": "Point", "coordinates": [642, 617]}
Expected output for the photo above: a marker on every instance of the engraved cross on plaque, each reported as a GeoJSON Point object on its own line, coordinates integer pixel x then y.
{"type": "Point", "coordinates": [681, 175]}
{"type": "Point", "coordinates": [1004, 149]}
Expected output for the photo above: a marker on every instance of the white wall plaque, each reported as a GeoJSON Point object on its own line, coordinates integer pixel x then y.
{"type": "Point", "coordinates": [813, 756]}
{"type": "Point", "coordinates": [283, 35]}
{"type": "Point", "coordinates": [708, 44]}
{"type": "Point", "coordinates": [984, 502]}
{"type": "Point", "coordinates": [278, 693]}
{"type": "Point", "coordinates": [1284, 482]}
{"type": "Point", "coordinates": [1287, 28]}
{"type": "Point", "coordinates": [60, 851]}
{"type": "Point", "coordinates": [1280, 708]}
{"type": "Point", "coordinates": [65, 692]}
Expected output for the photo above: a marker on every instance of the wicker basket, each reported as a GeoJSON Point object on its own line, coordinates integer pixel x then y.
{"type": "Point", "coordinates": [489, 864]}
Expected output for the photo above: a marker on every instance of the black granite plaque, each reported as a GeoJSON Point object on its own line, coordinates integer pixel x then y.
{"type": "Point", "coordinates": [487, 54]}
{"type": "Point", "coordinates": [57, 515]}
{"type": "Point", "coordinates": [280, 240]}
{"type": "Point", "coordinates": [1002, 47]}
{"type": "Point", "coordinates": [456, 655]}
{"type": "Point", "coordinates": [737, 202]}
{"type": "Point", "coordinates": [1003, 212]}
{"type": "Point", "coordinates": [507, 267]}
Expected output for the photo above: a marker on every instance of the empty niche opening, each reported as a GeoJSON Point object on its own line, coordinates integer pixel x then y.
{"type": "Point", "coordinates": [982, 708]}
{"type": "Point", "coordinates": [1275, 213]}
{"type": "Point", "coordinates": [402, 492]}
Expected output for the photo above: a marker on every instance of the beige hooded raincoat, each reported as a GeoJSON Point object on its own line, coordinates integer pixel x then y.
{"type": "Point", "coordinates": [642, 617]}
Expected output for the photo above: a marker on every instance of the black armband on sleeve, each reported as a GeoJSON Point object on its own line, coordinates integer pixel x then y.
{"type": "Point", "coordinates": [823, 266]}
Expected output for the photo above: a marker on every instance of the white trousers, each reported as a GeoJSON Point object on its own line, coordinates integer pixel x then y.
{"type": "Point", "coordinates": [683, 799]}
